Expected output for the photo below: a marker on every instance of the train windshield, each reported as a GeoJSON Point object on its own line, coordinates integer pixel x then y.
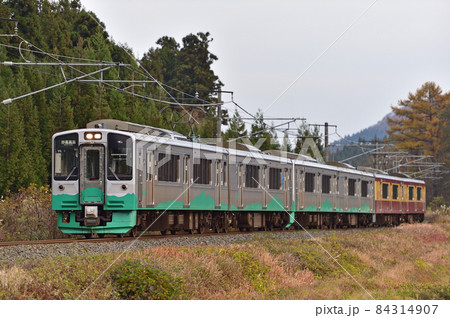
{"type": "Point", "coordinates": [120, 157]}
{"type": "Point", "coordinates": [66, 157]}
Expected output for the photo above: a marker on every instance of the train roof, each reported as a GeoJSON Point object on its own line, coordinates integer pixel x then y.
{"type": "Point", "coordinates": [167, 137]}
{"type": "Point", "coordinates": [114, 124]}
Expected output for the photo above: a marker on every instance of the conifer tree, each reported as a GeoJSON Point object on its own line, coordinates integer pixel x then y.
{"type": "Point", "coordinates": [416, 126]}
{"type": "Point", "coordinates": [236, 128]}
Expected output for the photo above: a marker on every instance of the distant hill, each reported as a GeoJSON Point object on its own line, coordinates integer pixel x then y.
{"type": "Point", "coordinates": [376, 131]}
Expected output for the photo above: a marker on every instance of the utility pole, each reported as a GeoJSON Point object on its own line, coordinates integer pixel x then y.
{"type": "Point", "coordinates": [219, 114]}
{"type": "Point", "coordinates": [327, 152]}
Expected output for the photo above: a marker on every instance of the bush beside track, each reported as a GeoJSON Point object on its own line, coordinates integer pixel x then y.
{"type": "Point", "coordinates": [407, 262]}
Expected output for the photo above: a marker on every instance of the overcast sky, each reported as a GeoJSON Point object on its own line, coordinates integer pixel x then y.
{"type": "Point", "coordinates": [264, 46]}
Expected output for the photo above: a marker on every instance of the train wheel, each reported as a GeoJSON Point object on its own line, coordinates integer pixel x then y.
{"type": "Point", "coordinates": [101, 235]}
{"type": "Point", "coordinates": [121, 235]}
{"type": "Point", "coordinates": [191, 231]}
{"type": "Point", "coordinates": [133, 232]}
{"type": "Point", "coordinates": [173, 232]}
{"type": "Point", "coordinates": [164, 232]}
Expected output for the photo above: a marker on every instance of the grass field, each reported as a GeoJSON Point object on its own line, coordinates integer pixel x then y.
{"type": "Point", "coordinates": [411, 261]}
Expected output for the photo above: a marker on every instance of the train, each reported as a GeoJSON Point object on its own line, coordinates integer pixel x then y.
{"type": "Point", "coordinates": [121, 178]}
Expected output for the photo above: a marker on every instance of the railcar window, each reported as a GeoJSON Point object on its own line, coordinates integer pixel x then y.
{"type": "Point", "coordinates": [326, 181]}
{"type": "Point", "coordinates": [168, 167]}
{"type": "Point", "coordinates": [66, 157]}
{"type": "Point", "coordinates": [395, 192]}
{"type": "Point", "coordinates": [120, 157]}
{"type": "Point", "coordinates": [351, 187]}
{"type": "Point", "coordinates": [419, 194]}
{"type": "Point", "coordinates": [202, 171]}
{"type": "Point", "coordinates": [224, 173]}
{"type": "Point", "coordinates": [274, 178]}
{"type": "Point", "coordinates": [364, 189]}
{"type": "Point", "coordinates": [251, 176]}
{"type": "Point", "coordinates": [310, 182]}
{"type": "Point", "coordinates": [92, 164]}
{"type": "Point", "coordinates": [411, 193]}
{"type": "Point", "coordinates": [385, 191]}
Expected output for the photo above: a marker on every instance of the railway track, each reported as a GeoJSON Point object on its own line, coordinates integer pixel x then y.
{"type": "Point", "coordinates": [116, 239]}
{"type": "Point", "coordinates": [158, 236]}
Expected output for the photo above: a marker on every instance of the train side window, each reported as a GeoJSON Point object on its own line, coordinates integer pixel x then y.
{"type": "Point", "coordinates": [168, 167]}
{"type": "Point", "coordinates": [385, 191]}
{"type": "Point", "coordinates": [410, 193]}
{"type": "Point", "coordinates": [395, 192]}
{"type": "Point", "coordinates": [309, 182]}
{"type": "Point", "coordinates": [202, 171]}
{"type": "Point", "coordinates": [251, 176]}
{"type": "Point", "coordinates": [419, 194]}
{"type": "Point", "coordinates": [326, 184]}
{"type": "Point", "coordinates": [351, 187]}
{"type": "Point", "coordinates": [364, 189]}
{"type": "Point", "coordinates": [274, 178]}
{"type": "Point", "coordinates": [224, 173]}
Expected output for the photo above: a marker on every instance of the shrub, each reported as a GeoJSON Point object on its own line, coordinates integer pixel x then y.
{"type": "Point", "coordinates": [437, 203]}
{"type": "Point", "coordinates": [27, 215]}
{"type": "Point", "coordinates": [134, 280]}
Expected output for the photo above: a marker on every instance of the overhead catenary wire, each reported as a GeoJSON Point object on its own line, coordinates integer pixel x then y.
{"type": "Point", "coordinates": [84, 75]}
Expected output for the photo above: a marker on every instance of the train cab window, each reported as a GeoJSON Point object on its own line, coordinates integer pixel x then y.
{"type": "Point", "coordinates": [410, 193]}
{"type": "Point", "coordinates": [120, 157]}
{"type": "Point", "coordinates": [351, 187]}
{"type": "Point", "coordinates": [395, 192]}
{"type": "Point", "coordinates": [309, 182]}
{"type": "Point", "coordinates": [364, 189]}
{"type": "Point", "coordinates": [168, 167]}
{"type": "Point", "coordinates": [385, 191]}
{"type": "Point", "coordinates": [326, 184]}
{"type": "Point", "coordinates": [274, 178]}
{"type": "Point", "coordinates": [251, 176]}
{"type": "Point", "coordinates": [66, 157]}
{"type": "Point", "coordinates": [202, 171]}
{"type": "Point", "coordinates": [419, 194]}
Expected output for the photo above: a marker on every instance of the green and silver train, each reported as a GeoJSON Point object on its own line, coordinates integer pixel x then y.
{"type": "Point", "coordinates": [116, 177]}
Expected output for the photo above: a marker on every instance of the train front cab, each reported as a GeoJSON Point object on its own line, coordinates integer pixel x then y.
{"type": "Point", "coordinates": [398, 201]}
{"type": "Point", "coordinates": [93, 187]}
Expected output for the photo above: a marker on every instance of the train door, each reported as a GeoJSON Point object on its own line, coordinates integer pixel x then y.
{"type": "Point", "coordinates": [286, 187]}
{"type": "Point", "coordinates": [150, 163]}
{"type": "Point", "coordinates": [298, 183]}
{"type": "Point", "coordinates": [187, 180]}
{"type": "Point", "coordinates": [264, 186]}
{"type": "Point", "coordinates": [141, 176]}
{"type": "Point", "coordinates": [241, 185]}
{"type": "Point", "coordinates": [92, 174]}
{"type": "Point", "coordinates": [346, 193]}
{"type": "Point", "coordinates": [334, 190]}
{"type": "Point", "coordinates": [218, 187]}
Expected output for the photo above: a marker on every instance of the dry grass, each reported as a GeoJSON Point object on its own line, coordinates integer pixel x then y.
{"type": "Point", "coordinates": [406, 262]}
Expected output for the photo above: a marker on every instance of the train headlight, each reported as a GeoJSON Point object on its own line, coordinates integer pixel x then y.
{"type": "Point", "coordinates": [93, 135]}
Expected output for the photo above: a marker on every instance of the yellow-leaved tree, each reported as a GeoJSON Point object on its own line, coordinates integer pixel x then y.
{"type": "Point", "coordinates": [416, 126]}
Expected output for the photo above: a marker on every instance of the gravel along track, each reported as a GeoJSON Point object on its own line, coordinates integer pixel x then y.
{"type": "Point", "coordinates": [26, 252]}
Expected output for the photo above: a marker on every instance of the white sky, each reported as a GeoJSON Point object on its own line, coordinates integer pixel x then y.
{"type": "Point", "coordinates": [263, 46]}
